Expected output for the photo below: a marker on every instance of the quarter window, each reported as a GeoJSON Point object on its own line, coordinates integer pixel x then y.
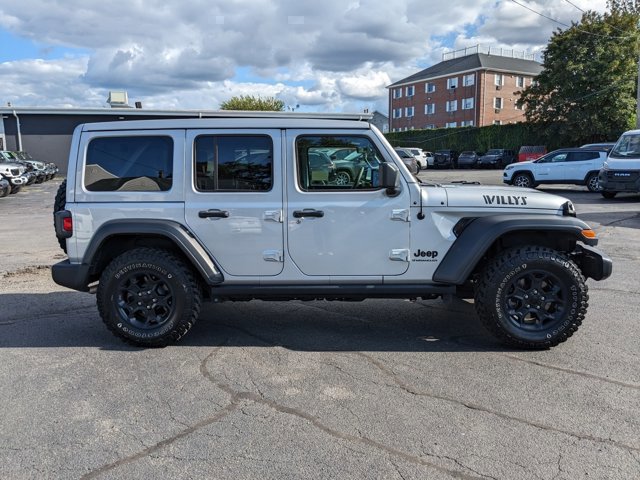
{"type": "Point", "coordinates": [233, 163]}
{"type": "Point", "coordinates": [134, 164]}
{"type": "Point", "coordinates": [330, 163]}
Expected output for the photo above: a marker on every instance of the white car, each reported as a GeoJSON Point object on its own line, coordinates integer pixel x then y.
{"type": "Point", "coordinates": [421, 157]}
{"type": "Point", "coordinates": [577, 166]}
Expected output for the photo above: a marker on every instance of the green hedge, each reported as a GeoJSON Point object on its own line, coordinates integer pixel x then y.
{"type": "Point", "coordinates": [480, 139]}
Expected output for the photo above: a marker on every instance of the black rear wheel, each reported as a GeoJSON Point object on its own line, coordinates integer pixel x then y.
{"type": "Point", "coordinates": [531, 297]}
{"type": "Point", "coordinates": [593, 184]}
{"type": "Point", "coordinates": [148, 297]}
{"type": "Point", "coordinates": [609, 195]}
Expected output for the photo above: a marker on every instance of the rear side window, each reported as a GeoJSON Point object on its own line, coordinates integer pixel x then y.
{"type": "Point", "coordinates": [233, 163]}
{"type": "Point", "coordinates": [136, 164]}
{"type": "Point", "coordinates": [582, 156]}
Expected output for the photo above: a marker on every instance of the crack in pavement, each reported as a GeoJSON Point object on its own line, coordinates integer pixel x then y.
{"type": "Point", "coordinates": [409, 389]}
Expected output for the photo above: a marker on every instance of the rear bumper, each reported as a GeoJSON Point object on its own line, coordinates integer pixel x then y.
{"type": "Point", "coordinates": [71, 275]}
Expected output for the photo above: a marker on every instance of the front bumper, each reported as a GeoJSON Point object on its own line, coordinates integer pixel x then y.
{"type": "Point", "coordinates": [71, 275]}
{"type": "Point", "coordinates": [593, 262]}
{"type": "Point", "coordinates": [619, 180]}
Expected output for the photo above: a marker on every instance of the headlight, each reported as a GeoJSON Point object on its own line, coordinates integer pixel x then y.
{"type": "Point", "coordinates": [510, 167]}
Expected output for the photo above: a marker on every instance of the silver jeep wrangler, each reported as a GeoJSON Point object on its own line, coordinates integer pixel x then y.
{"type": "Point", "coordinates": [157, 216]}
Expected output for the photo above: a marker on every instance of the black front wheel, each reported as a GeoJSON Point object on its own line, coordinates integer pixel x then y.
{"type": "Point", "coordinates": [148, 297]}
{"type": "Point", "coordinates": [609, 195]}
{"type": "Point", "coordinates": [531, 297]}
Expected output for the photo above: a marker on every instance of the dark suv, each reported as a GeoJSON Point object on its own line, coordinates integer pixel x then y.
{"type": "Point", "coordinates": [445, 159]}
{"type": "Point", "coordinates": [497, 158]}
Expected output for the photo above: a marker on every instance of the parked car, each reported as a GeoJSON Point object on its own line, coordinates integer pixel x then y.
{"type": "Point", "coordinates": [497, 158]}
{"type": "Point", "coordinates": [429, 158]}
{"type": "Point", "coordinates": [445, 159]}
{"type": "Point", "coordinates": [13, 172]}
{"type": "Point", "coordinates": [5, 187]}
{"type": "Point", "coordinates": [531, 152]}
{"type": "Point", "coordinates": [40, 168]}
{"type": "Point", "coordinates": [348, 168]}
{"type": "Point", "coordinates": [29, 171]}
{"type": "Point", "coordinates": [420, 155]}
{"type": "Point", "coordinates": [578, 166]}
{"type": "Point", "coordinates": [621, 171]}
{"type": "Point", "coordinates": [408, 159]}
{"type": "Point", "coordinates": [468, 159]}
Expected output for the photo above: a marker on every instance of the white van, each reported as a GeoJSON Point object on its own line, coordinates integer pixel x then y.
{"type": "Point", "coordinates": [621, 171]}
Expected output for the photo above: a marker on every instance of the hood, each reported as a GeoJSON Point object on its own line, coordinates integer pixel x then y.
{"type": "Point", "coordinates": [502, 198]}
{"type": "Point", "coordinates": [622, 164]}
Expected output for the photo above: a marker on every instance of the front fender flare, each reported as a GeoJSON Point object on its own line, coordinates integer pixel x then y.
{"type": "Point", "coordinates": [478, 236]}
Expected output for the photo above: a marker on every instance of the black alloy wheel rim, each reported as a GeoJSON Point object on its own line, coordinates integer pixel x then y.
{"type": "Point", "coordinates": [144, 300]}
{"type": "Point", "coordinates": [535, 301]}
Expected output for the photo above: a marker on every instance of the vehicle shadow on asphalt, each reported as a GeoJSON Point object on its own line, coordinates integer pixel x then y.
{"type": "Point", "coordinates": [314, 326]}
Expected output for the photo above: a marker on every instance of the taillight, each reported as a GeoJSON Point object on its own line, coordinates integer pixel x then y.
{"type": "Point", "coordinates": [63, 223]}
{"type": "Point", "coordinates": [67, 224]}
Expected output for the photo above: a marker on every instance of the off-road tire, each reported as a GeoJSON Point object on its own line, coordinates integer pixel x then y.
{"type": "Point", "coordinates": [593, 185]}
{"type": "Point", "coordinates": [523, 180]}
{"type": "Point", "coordinates": [531, 297]}
{"type": "Point", "coordinates": [148, 297]}
{"type": "Point", "coordinates": [608, 195]}
{"type": "Point", "coordinates": [59, 204]}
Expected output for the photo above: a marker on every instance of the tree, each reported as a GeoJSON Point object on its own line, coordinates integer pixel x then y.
{"type": "Point", "coordinates": [587, 89]}
{"type": "Point", "coordinates": [249, 102]}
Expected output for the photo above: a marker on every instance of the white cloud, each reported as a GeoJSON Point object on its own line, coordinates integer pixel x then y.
{"type": "Point", "coordinates": [329, 55]}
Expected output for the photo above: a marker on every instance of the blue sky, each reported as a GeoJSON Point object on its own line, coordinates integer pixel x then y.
{"type": "Point", "coordinates": [327, 56]}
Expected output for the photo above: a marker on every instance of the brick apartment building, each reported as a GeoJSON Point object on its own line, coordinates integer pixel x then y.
{"type": "Point", "coordinates": [475, 89]}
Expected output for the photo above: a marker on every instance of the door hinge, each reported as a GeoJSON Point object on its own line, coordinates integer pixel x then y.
{"type": "Point", "coordinates": [272, 216]}
{"type": "Point", "coordinates": [401, 215]}
{"type": "Point", "coordinates": [399, 255]}
{"type": "Point", "coordinates": [273, 256]}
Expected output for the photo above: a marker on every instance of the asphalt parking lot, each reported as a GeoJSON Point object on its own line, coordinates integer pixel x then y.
{"type": "Point", "coordinates": [275, 390]}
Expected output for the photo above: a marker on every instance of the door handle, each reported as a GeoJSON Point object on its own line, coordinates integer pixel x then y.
{"type": "Point", "coordinates": [308, 213]}
{"type": "Point", "coordinates": [213, 213]}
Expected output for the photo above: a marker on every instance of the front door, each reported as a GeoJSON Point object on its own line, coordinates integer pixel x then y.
{"type": "Point", "coordinates": [339, 221]}
{"type": "Point", "coordinates": [234, 199]}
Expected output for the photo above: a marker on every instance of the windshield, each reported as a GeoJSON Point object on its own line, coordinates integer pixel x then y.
{"type": "Point", "coordinates": [627, 147]}
{"type": "Point", "coordinates": [493, 152]}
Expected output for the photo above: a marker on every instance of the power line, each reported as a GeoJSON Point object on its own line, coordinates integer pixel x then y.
{"type": "Point", "coordinates": [569, 26]}
{"type": "Point", "coordinates": [574, 5]}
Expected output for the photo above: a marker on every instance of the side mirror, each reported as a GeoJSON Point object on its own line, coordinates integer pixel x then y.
{"type": "Point", "coordinates": [389, 178]}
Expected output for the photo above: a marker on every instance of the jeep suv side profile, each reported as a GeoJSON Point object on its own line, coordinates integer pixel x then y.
{"type": "Point", "coordinates": [157, 216]}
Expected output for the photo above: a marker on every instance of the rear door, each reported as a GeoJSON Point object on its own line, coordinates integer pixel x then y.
{"type": "Point", "coordinates": [344, 230]}
{"type": "Point", "coordinates": [234, 198]}
{"type": "Point", "coordinates": [579, 164]}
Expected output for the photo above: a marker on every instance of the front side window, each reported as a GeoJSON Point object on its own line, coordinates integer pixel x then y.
{"type": "Point", "coordinates": [323, 166]}
{"type": "Point", "coordinates": [133, 164]}
{"type": "Point", "coordinates": [233, 163]}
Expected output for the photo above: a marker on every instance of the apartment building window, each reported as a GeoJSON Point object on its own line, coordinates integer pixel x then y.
{"type": "Point", "coordinates": [466, 123]}
{"type": "Point", "coordinates": [519, 107]}
{"type": "Point", "coordinates": [469, 80]}
{"type": "Point", "coordinates": [497, 102]}
{"type": "Point", "coordinates": [430, 126]}
{"type": "Point", "coordinates": [520, 82]}
{"type": "Point", "coordinates": [397, 92]}
{"type": "Point", "coordinates": [408, 112]}
{"type": "Point", "coordinates": [411, 90]}
{"type": "Point", "coordinates": [430, 109]}
{"type": "Point", "coordinates": [430, 87]}
{"type": "Point", "coordinates": [452, 83]}
{"type": "Point", "coordinates": [467, 103]}
{"type": "Point", "coordinates": [397, 113]}
{"type": "Point", "coordinates": [497, 122]}
{"type": "Point", "coordinates": [499, 79]}
{"type": "Point", "coordinates": [451, 125]}
{"type": "Point", "coordinates": [451, 106]}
